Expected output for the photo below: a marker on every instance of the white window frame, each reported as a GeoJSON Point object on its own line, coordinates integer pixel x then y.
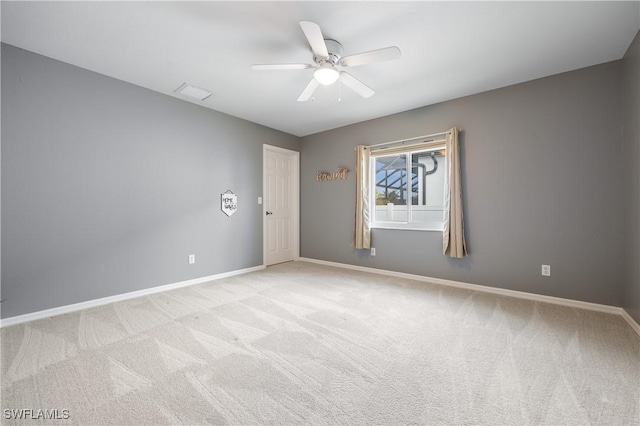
{"type": "Point", "coordinates": [408, 225]}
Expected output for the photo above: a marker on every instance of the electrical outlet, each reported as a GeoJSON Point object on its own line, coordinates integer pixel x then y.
{"type": "Point", "coordinates": [373, 251]}
{"type": "Point", "coordinates": [192, 259]}
{"type": "Point", "coordinates": [546, 270]}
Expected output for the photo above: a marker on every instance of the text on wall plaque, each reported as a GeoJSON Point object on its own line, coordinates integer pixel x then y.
{"type": "Point", "coordinates": [341, 174]}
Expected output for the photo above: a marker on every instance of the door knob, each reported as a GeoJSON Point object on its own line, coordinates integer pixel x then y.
{"type": "Point", "coordinates": [268, 213]}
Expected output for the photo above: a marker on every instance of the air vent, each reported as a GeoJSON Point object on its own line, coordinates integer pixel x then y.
{"type": "Point", "coordinates": [193, 92]}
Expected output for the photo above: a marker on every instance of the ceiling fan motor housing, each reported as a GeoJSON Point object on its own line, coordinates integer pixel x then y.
{"type": "Point", "coordinates": [335, 53]}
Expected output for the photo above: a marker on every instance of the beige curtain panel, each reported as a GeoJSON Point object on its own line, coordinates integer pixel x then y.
{"type": "Point", "coordinates": [362, 238]}
{"type": "Point", "coordinates": [453, 234]}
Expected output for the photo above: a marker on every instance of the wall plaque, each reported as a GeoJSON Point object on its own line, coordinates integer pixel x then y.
{"type": "Point", "coordinates": [341, 174]}
{"type": "Point", "coordinates": [228, 203]}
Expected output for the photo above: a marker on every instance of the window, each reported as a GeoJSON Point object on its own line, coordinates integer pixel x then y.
{"type": "Point", "coordinates": [407, 188]}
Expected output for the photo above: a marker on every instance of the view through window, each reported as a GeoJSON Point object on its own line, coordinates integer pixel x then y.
{"type": "Point", "coordinates": [409, 189]}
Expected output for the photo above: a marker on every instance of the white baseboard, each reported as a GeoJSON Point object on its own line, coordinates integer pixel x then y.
{"type": "Point", "coordinates": [493, 290]}
{"type": "Point", "coordinates": [119, 297]}
{"type": "Point", "coordinates": [630, 321]}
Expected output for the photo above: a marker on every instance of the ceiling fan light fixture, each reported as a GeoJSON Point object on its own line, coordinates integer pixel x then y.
{"type": "Point", "coordinates": [326, 74]}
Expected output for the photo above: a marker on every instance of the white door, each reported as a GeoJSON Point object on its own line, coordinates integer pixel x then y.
{"type": "Point", "coordinates": [280, 205]}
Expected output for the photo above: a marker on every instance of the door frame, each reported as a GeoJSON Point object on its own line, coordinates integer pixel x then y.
{"type": "Point", "coordinates": [295, 198]}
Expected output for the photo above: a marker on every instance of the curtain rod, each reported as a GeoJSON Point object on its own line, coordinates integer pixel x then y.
{"type": "Point", "coordinates": [409, 140]}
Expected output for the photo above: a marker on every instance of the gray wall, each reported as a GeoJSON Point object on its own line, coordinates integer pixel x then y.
{"type": "Point", "coordinates": [631, 179]}
{"type": "Point", "coordinates": [541, 181]}
{"type": "Point", "coordinates": [108, 187]}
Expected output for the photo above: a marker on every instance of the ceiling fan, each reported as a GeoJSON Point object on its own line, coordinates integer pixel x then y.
{"type": "Point", "coordinates": [327, 55]}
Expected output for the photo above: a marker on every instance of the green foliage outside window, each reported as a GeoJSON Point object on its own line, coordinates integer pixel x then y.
{"type": "Point", "coordinates": [392, 197]}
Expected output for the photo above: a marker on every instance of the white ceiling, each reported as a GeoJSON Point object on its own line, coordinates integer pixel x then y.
{"type": "Point", "coordinates": [449, 49]}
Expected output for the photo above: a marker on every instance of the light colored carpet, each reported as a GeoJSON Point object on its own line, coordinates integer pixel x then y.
{"type": "Point", "coordinates": [300, 343]}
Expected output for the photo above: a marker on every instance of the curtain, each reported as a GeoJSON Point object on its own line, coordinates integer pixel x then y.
{"type": "Point", "coordinates": [453, 234]}
{"type": "Point", "coordinates": [362, 238]}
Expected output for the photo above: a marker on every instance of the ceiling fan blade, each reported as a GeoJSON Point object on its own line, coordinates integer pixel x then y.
{"type": "Point", "coordinates": [269, 67]}
{"type": "Point", "coordinates": [379, 55]}
{"type": "Point", "coordinates": [356, 85]}
{"type": "Point", "coordinates": [314, 37]}
{"type": "Point", "coordinates": [308, 91]}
